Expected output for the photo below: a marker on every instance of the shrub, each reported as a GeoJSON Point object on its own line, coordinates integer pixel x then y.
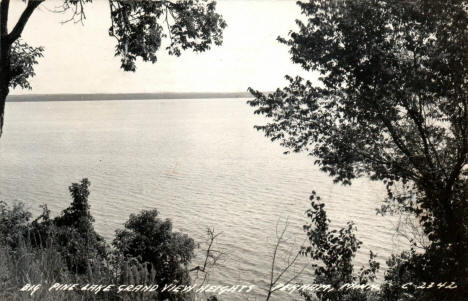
{"type": "Point", "coordinates": [67, 249]}
{"type": "Point", "coordinates": [74, 232]}
{"type": "Point", "coordinates": [151, 240]}
{"type": "Point", "coordinates": [13, 222]}
{"type": "Point", "coordinates": [334, 251]}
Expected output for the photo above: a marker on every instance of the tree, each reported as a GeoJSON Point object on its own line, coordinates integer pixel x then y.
{"type": "Point", "coordinates": [139, 28]}
{"type": "Point", "coordinates": [151, 240]}
{"type": "Point", "coordinates": [71, 233]}
{"type": "Point", "coordinates": [391, 104]}
{"type": "Point", "coordinates": [74, 233]}
{"type": "Point", "coordinates": [67, 249]}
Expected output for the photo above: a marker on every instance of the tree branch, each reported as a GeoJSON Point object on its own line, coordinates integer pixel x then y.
{"type": "Point", "coordinates": [19, 27]}
{"type": "Point", "coordinates": [273, 287]}
{"type": "Point", "coordinates": [211, 256]}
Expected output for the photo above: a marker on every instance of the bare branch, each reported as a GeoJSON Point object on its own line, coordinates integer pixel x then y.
{"type": "Point", "coordinates": [212, 256]}
{"type": "Point", "coordinates": [272, 287]}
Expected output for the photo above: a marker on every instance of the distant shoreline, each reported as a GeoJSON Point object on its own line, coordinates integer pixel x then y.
{"type": "Point", "coordinates": [122, 96]}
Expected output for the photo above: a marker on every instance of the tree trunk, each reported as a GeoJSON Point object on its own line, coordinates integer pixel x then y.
{"type": "Point", "coordinates": [4, 83]}
{"type": "Point", "coordinates": [4, 59]}
{"type": "Point", "coordinates": [3, 96]}
{"type": "Point", "coordinates": [6, 42]}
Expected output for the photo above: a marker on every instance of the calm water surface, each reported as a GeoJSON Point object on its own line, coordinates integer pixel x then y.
{"type": "Point", "coordinates": [199, 162]}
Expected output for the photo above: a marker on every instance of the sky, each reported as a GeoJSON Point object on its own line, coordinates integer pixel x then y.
{"type": "Point", "coordinates": [80, 58]}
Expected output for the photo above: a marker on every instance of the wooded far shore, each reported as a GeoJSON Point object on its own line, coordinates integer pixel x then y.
{"type": "Point", "coordinates": [124, 96]}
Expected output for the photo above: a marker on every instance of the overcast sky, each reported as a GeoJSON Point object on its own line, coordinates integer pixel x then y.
{"type": "Point", "coordinates": [80, 58]}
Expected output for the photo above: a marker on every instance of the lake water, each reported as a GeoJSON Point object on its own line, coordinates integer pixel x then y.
{"type": "Point", "coordinates": [199, 162]}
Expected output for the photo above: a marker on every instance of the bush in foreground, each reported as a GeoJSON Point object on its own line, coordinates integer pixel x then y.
{"type": "Point", "coordinates": [67, 249]}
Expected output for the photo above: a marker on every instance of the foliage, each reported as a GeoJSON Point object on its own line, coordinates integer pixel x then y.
{"type": "Point", "coordinates": [27, 264]}
{"type": "Point", "coordinates": [415, 276]}
{"type": "Point", "coordinates": [74, 232]}
{"type": "Point", "coordinates": [13, 222]}
{"type": "Point", "coordinates": [45, 265]}
{"type": "Point", "coordinates": [389, 72]}
{"type": "Point", "coordinates": [334, 250]}
{"type": "Point", "coordinates": [23, 58]}
{"type": "Point", "coordinates": [139, 28]}
{"type": "Point", "coordinates": [189, 25]}
{"type": "Point", "coordinates": [402, 270]}
{"type": "Point", "coordinates": [66, 249]}
{"type": "Point", "coordinates": [151, 240]}
{"type": "Point", "coordinates": [78, 215]}
{"type": "Point", "coordinates": [391, 104]}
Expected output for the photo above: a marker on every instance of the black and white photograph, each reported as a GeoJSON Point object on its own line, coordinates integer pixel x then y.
{"type": "Point", "coordinates": [233, 150]}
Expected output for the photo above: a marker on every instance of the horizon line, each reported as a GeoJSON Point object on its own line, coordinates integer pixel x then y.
{"type": "Point", "coordinates": [122, 96]}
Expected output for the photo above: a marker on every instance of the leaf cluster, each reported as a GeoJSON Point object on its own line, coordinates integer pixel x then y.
{"type": "Point", "coordinates": [141, 26]}
{"type": "Point", "coordinates": [146, 251]}
{"type": "Point", "coordinates": [334, 251]}
{"type": "Point", "coordinates": [391, 104]}
{"type": "Point", "coordinates": [392, 99]}
{"type": "Point", "coordinates": [22, 59]}
{"type": "Point", "coordinates": [151, 240]}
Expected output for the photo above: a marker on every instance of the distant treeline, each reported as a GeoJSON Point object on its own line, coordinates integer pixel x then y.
{"type": "Point", "coordinates": [124, 96]}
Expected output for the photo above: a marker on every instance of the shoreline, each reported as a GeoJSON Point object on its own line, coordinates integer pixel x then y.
{"type": "Point", "coordinates": [122, 96]}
